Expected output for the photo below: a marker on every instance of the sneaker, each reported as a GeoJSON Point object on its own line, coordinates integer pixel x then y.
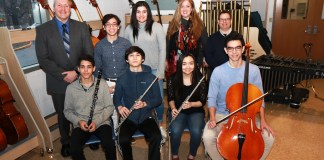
{"type": "Point", "coordinates": [164, 134]}
{"type": "Point", "coordinates": [132, 140]}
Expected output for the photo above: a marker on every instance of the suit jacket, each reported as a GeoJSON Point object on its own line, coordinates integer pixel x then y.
{"type": "Point", "coordinates": [51, 54]}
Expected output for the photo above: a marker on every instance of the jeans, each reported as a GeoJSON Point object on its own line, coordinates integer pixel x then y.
{"type": "Point", "coordinates": [160, 108]}
{"type": "Point", "coordinates": [195, 123]}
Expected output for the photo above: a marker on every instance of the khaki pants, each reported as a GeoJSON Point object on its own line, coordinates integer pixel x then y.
{"type": "Point", "coordinates": [210, 138]}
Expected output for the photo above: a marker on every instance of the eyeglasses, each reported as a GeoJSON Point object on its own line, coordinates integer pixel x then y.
{"type": "Point", "coordinates": [224, 19]}
{"type": "Point", "coordinates": [231, 49]}
{"type": "Point", "coordinates": [111, 25]}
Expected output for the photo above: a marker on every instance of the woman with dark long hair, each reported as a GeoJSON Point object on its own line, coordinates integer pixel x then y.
{"type": "Point", "coordinates": [179, 87]}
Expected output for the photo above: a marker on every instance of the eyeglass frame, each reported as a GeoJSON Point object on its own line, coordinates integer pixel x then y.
{"type": "Point", "coordinates": [224, 19]}
{"type": "Point", "coordinates": [111, 25]}
{"type": "Point", "coordinates": [232, 49]}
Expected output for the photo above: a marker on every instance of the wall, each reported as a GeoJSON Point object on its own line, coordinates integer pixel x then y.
{"type": "Point", "coordinates": [36, 79]}
{"type": "Point", "coordinates": [120, 7]}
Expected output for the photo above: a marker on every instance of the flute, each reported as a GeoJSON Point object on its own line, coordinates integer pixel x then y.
{"type": "Point", "coordinates": [186, 100]}
{"type": "Point", "coordinates": [139, 99]}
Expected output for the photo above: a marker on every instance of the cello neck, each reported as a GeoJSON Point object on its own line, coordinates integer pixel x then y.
{"type": "Point", "coordinates": [99, 12]}
{"type": "Point", "coordinates": [95, 4]}
{"type": "Point", "coordinates": [158, 10]}
{"type": "Point", "coordinates": [45, 5]}
{"type": "Point", "coordinates": [246, 76]}
{"type": "Point", "coordinates": [73, 5]}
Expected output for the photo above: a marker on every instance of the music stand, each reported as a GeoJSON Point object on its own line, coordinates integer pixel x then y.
{"type": "Point", "coordinates": [309, 83]}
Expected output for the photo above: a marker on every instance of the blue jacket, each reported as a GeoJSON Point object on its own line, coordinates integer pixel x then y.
{"type": "Point", "coordinates": [130, 86]}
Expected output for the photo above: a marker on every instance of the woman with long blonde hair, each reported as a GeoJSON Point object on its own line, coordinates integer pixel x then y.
{"type": "Point", "coordinates": [186, 34]}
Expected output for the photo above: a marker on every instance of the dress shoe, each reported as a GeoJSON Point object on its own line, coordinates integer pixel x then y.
{"type": "Point", "coordinates": [175, 158]}
{"type": "Point", "coordinates": [132, 140]}
{"type": "Point", "coordinates": [65, 151]}
{"type": "Point", "coordinates": [94, 146]}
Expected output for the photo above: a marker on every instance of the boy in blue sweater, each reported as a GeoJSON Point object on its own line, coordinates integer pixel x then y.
{"type": "Point", "coordinates": [222, 78]}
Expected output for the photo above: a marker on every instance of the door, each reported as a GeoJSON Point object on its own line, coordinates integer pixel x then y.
{"type": "Point", "coordinates": [299, 22]}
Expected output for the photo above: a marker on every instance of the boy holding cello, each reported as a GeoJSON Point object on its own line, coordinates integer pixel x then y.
{"type": "Point", "coordinates": [222, 78]}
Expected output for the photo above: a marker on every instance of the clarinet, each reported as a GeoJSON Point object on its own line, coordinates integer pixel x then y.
{"type": "Point", "coordinates": [186, 100]}
{"type": "Point", "coordinates": [95, 97]}
{"type": "Point", "coordinates": [139, 99]}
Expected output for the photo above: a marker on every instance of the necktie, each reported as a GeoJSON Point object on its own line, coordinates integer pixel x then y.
{"type": "Point", "coordinates": [66, 40]}
{"type": "Point", "coordinates": [225, 35]}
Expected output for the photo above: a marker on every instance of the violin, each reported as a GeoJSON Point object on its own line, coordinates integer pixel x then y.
{"type": "Point", "coordinates": [11, 121]}
{"type": "Point", "coordinates": [240, 138]}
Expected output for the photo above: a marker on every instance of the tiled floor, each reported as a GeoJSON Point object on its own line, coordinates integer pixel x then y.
{"type": "Point", "coordinates": [299, 133]}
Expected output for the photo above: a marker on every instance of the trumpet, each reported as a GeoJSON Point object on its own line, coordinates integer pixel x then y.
{"type": "Point", "coordinates": [139, 99]}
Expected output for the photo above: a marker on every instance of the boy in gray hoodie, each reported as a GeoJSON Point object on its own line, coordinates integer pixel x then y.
{"type": "Point", "coordinates": [78, 103]}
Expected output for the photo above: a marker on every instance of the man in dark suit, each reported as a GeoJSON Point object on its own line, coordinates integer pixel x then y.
{"type": "Point", "coordinates": [58, 58]}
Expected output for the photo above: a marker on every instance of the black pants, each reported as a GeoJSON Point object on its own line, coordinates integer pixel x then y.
{"type": "Point", "coordinates": [63, 123]}
{"type": "Point", "coordinates": [152, 134]}
{"type": "Point", "coordinates": [104, 133]}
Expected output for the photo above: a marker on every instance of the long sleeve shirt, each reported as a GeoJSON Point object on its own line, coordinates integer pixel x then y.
{"type": "Point", "coordinates": [110, 57]}
{"type": "Point", "coordinates": [130, 86]}
{"type": "Point", "coordinates": [223, 77]}
{"type": "Point", "coordinates": [153, 45]}
{"type": "Point", "coordinates": [214, 52]}
{"type": "Point", "coordinates": [199, 95]}
{"type": "Point", "coordinates": [78, 101]}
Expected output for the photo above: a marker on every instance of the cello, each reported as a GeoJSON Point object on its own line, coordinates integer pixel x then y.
{"type": "Point", "coordinates": [94, 39]}
{"type": "Point", "coordinates": [102, 32]}
{"type": "Point", "coordinates": [240, 138]}
{"type": "Point", "coordinates": [11, 121]}
{"type": "Point", "coordinates": [46, 6]}
{"type": "Point", "coordinates": [3, 140]}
